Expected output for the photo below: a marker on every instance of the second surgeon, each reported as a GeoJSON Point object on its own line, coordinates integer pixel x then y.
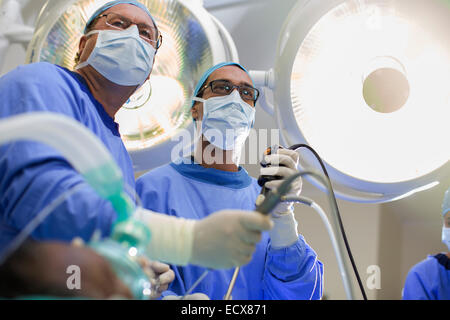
{"type": "Point", "coordinates": [283, 266]}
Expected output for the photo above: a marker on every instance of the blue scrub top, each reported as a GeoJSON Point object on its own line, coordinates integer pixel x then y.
{"type": "Point", "coordinates": [191, 191]}
{"type": "Point", "coordinates": [33, 174]}
{"type": "Point", "coordinates": [429, 279]}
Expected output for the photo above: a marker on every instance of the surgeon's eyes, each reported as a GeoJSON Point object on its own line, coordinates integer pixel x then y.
{"type": "Point", "coordinates": [246, 93]}
{"type": "Point", "coordinates": [222, 87]}
{"type": "Point", "coordinates": [144, 33]}
{"type": "Point", "coordinates": [118, 23]}
{"type": "Point", "coordinates": [147, 34]}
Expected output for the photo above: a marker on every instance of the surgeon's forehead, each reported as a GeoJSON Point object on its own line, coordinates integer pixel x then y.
{"type": "Point", "coordinates": [231, 73]}
{"type": "Point", "coordinates": [132, 12]}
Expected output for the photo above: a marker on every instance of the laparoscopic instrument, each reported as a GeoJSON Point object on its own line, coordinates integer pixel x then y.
{"type": "Point", "coordinates": [92, 160]}
{"type": "Point", "coordinates": [268, 200]}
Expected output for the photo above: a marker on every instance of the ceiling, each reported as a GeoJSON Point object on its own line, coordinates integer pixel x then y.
{"type": "Point", "coordinates": [255, 26]}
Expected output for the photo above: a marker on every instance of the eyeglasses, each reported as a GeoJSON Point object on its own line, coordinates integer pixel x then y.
{"type": "Point", "coordinates": [148, 33]}
{"type": "Point", "coordinates": [224, 87]}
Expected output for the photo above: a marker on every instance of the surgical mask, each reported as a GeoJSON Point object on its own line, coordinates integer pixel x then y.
{"type": "Point", "coordinates": [226, 121]}
{"type": "Point", "coordinates": [121, 56]}
{"type": "Point", "coordinates": [446, 237]}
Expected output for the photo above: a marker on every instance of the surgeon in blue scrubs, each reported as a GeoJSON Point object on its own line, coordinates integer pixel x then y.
{"type": "Point", "coordinates": [430, 278]}
{"type": "Point", "coordinates": [116, 56]}
{"type": "Point", "coordinates": [32, 174]}
{"type": "Point", "coordinates": [284, 266]}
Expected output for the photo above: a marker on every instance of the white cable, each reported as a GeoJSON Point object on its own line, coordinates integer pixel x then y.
{"type": "Point", "coordinates": [334, 242]}
{"type": "Point", "coordinates": [344, 275]}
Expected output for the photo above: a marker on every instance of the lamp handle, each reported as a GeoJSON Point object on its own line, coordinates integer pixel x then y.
{"type": "Point", "coordinates": [264, 80]}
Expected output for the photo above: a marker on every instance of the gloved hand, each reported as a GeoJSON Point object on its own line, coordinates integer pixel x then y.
{"type": "Point", "coordinates": [227, 238]}
{"type": "Point", "coordinates": [194, 296]}
{"type": "Point", "coordinates": [284, 232]}
{"type": "Point", "coordinates": [222, 240]}
{"type": "Point", "coordinates": [289, 160]}
{"type": "Point", "coordinates": [160, 275]}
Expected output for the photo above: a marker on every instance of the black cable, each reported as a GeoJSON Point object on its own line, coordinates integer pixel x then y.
{"type": "Point", "coordinates": [341, 226]}
{"type": "Point", "coordinates": [273, 197]}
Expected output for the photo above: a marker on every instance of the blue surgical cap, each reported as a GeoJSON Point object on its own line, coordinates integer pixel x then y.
{"type": "Point", "coordinates": [446, 202]}
{"type": "Point", "coordinates": [110, 4]}
{"type": "Point", "coordinates": [211, 70]}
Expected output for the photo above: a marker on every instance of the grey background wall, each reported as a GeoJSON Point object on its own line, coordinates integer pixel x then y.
{"type": "Point", "coordinates": [393, 236]}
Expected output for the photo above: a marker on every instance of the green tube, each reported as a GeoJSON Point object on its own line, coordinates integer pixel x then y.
{"type": "Point", "coordinates": [107, 180]}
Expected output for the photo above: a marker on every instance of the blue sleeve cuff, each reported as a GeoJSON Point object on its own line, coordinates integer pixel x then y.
{"type": "Point", "coordinates": [287, 263]}
{"type": "Point", "coordinates": [167, 293]}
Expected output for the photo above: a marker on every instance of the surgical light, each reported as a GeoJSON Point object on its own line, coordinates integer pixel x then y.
{"type": "Point", "coordinates": [365, 82]}
{"type": "Point", "coordinates": [193, 40]}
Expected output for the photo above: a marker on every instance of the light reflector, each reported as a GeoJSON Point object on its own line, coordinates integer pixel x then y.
{"type": "Point", "coordinates": [335, 62]}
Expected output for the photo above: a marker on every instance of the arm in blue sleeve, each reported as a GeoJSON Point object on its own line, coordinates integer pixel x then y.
{"type": "Point", "coordinates": [415, 286]}
{"type": "Point", "coordinates": [33, 174]}
{"type": "Point", "coordinates": [26, 190]}
{"type": "Point", "coordinates": [293, 273]}
{"type": "Point", "coordinates": [168, 293]}
{"type": "Point", "coordinates": [152, 193]}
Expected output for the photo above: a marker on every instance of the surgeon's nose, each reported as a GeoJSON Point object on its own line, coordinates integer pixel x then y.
{"type": "Point", "coordinates": [133, 29]}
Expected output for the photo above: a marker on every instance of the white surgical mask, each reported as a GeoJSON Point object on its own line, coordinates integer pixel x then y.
{"type": "Point", "coordinates": [226, 121]}
{"type": "Point", "coordinates": [121, 56]}
{"type": "Point", "coordinates": [446, 236]}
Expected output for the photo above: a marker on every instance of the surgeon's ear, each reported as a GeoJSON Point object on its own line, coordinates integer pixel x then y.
{"type": "Point", "coordinates": [81, 46]}
{"type": "Point", "coordinates": [195, 111]}
{"type": "Point", "coordinates": [153, 65]}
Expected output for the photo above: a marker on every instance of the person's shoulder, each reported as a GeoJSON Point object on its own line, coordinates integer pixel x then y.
{"type": "Point", "coordinates": [254, 181]}
{"type": "Point", "coordinates": [155, 174]}
{"type": "Point", "coordinates": [155, 181]}
{"type": "Point", "coordinates": [40, 74]}
{"type": "Point", "coordinates": [37, 69]}
{"type": "Point", "coordinates": [425, 264]}
{"type": "Point", "coordinates": [40, 86]}
{"type": "Point", "coordinates": [254, 184]}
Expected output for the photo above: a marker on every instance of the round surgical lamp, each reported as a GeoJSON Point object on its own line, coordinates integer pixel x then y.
{"type": "Point", "coordinates": [366, 84]}
{"type": "Point", "coordinates": [193, 41]}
